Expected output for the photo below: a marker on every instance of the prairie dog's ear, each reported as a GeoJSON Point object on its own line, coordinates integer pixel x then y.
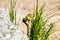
{"type": "Point", "coordinates": [29, 16]}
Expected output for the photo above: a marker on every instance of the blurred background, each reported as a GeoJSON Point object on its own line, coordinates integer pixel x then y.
{"type": "Point", "coordinates": [25, 7]}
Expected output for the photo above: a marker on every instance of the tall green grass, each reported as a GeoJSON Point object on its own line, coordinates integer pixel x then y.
{"type": "Point", "coordinates": [12, 11]}
{"type": "Point", "coordinates": [38, 27]}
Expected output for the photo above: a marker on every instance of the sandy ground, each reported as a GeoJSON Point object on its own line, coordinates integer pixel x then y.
{"type": "Point", "coordinates": [25, 7]}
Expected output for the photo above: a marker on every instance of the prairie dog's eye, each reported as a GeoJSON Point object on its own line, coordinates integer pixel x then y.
{"type": "Point", "coordinates": [24, 20]}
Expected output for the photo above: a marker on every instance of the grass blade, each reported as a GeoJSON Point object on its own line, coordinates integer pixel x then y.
{"type": "Point", "coordinates": [12, 11]}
